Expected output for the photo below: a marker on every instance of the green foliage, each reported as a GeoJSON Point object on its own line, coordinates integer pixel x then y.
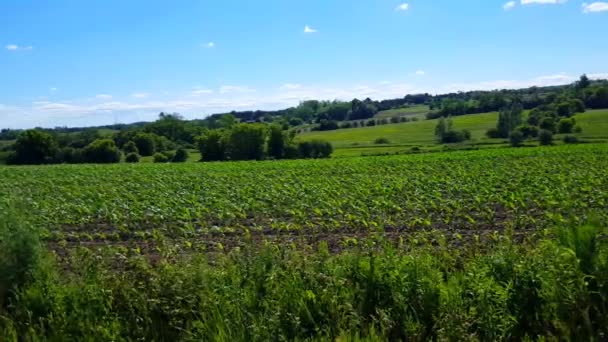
{"type": "Point", "coordinates": [132, 158]}
{"type": "Point", "coordinates": [314, 149]}
{"type": "Point", "coordinates": [181, 155]}
{"type": "Point", "coordinates": [516, 138]}
{"type": "Point", "coordinates": [508, 119]}
{"type": "Point", "coordinates": [570, 139]}
{"type": "Point", "coordinates": [545, 137]}
{"type": "Point", "coordinates": [212, 146]}
{"type": "Point", "coordinates": [146, 144]}
{"type": "Point", "coordinates": [161, 158]}
{"type": "Point", "coordinates": [102, 151]}
{"type": "Point", "coordinates": [566, 125]}
{"type": "Point", "coordinates": [381, 141]}
{"type": "Point", "coordinates": [276, 142]}
{"type": "Point", "coordinates": [246, 142]}
{"type": "Point", "coordinates": [130, 147]}
{"type": "Point", "coordinates": [34, 147]}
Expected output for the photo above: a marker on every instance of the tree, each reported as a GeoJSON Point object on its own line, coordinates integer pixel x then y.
{"type": "Point", "coordinates": [160, 158]}
{"type": "Point", "coordinates": [132, 158]}
{"type": "Point", "coordinates": [566, 125]}
{"type": "Point", "coordinates": [34, 147]}
{"type": "Point", "coordinates": [181, 155]}
{"type": "Point", "coordinates": [212, 146]}
{"type": "Point", "coordinates": [130, 147]}
{"type": "Point", "coordinates": [547, 123]}
{"type": "Point", "coordinates": [145, 143]}
{"type": "Point", "coordinates": [545, 137]}
{"type": "Point", "coordinates": [102, 151]}
{"type": "Point", "coordinates": [516, 138]}
{"type": "Point", "coordinates": [509, 118]}
{"type": "Point", "coordinates": [246, 142]}
{"type": "Point", "coordinates": [583, 82]}
{"type": "Point", "coordinates": [442, 128]}
{"type": "Point", "coordinates": [276, 142]}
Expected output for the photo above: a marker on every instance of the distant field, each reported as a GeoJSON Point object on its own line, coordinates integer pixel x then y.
{"type": "Point", "coordinates": [403, 136]}
{"type": "Point", "coordinates": [413, 111]}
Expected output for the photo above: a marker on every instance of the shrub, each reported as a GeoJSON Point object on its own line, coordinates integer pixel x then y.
{"type": "Point", "coordinates": [452, 136]}
{"type": "Point", "coordinates": [161, 158]}
{"type": "Point", "coordinates": [181, 155]}
{"type": "Point", "coordinates": [493, 133]}
{"type": "Point", "coordinates": [548, 124]}
{"type": "Point", "coordinates": [34, 147]}
{"type": "Point", "coordinates": [102, 151]}
{"type": "Point", "coordinates": [146, 143]}
{"type": "Point", "coordinates": [528, 131]}
{"type": "Point", "coordinates": [566, 125]}
{"type": "Point", "coordinates": [381, 141]}
{"type": "Point", "coordinates": [395, 120]}
{"type": "Point", "coordinates": [578, 129]}
{"type": "Point", "coordinates": [212, 146]}
{"type": "Point", "coordinates": [570, 139]}
{"type": "Point", "coordinates": [130, 147]}
{"type": "Point", "coordinates": [132, 158]}
{"type": "Point", "coordinates": [545, 137]}
{"type": "Point", "coordinates": [370, 123]}
{"type": "Point", "coordinates": [315, 149]}
{"type": "Point", "coordinates": [516, 138]}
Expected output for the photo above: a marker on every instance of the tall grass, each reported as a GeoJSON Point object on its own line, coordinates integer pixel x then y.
{"type": "Point", "coordinates": [553, 289]}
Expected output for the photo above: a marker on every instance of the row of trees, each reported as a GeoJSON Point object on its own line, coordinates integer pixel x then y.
{"type": "Point", "coordinates": [256, 142]}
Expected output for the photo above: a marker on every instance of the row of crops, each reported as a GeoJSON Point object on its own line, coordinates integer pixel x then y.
{"type": "Point", "coordinates": [111, 253]}
{"type": "Point", "coordinates": [494, 190]}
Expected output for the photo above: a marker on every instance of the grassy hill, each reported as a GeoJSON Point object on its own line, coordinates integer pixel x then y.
{"type": "Point", "coordinates": [418, 111]}
{"type": "Point", "coordinates": [402, 137]}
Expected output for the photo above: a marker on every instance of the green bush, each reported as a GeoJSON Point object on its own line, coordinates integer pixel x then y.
{"type": "Point", "coordinates": [160, 158]}
{"type": "Point", "coordinates": [570, 139]}
{"type": "Point", "coordinates": [181, 156]}
{"type": "Point", "coordinates": [382, 141]}
{"type": "Point", "coordinates": [516, 138]}
{"type": "Point", "coordinates": [102, 151]}
{"type": "Point", "coordinates": [545, 137]}
{"type": "Point", "coordinates": [130, 147]}
{"type": "Point", "coordinates": [132, 158]}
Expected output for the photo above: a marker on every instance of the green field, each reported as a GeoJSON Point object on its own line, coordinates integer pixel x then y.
{"type": "Point", "coordinates": [403, 136]}
{"type": "Point", "coordinates": [418, 111]}
{"type": "Point", "coordinates": [442, 246]}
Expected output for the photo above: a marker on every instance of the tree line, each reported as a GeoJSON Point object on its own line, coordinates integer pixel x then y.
{"type": "Point", "coordinates": [166, 140]}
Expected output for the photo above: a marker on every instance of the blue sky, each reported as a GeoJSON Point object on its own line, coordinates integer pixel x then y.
{"type": "Point", "coordinates": [75, 63]}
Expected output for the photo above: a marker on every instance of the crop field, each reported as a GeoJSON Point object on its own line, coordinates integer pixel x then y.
{"type": "Point", "coordinates": [466, 193]}
{"type": "Point", "coordinates": [501, 244]}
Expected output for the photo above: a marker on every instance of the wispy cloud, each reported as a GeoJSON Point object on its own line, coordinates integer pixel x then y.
{"type": "Point", "coordinates": [53, 89]}
{"type": "Point", "coordinates": [200, 91]}
{"type": "Point", "coordinates": [103, 97]}
{"type": "Point", "coordinates": [542, 2]}
{"type": "Point", "coordinates": [227, 89]}
{"type": "Point", "coordinates": [308, 29]}
{"type": "Point", "coordinates": [403, 7]}
{"type": "Point", "coordinates": [420, 73]}
{"type": "Point", "coordinates": [290, 86]}
{"type": "Point", "coordinates": [209, 45]}
{"type": "Point", "coordinates": [140, 95]}
{"type": "Point", "coordinates": [14, 47]}
{"type": "Point", "coordinates": [509, 5]}
{"type": "Point", "coordinates": [595, 7]}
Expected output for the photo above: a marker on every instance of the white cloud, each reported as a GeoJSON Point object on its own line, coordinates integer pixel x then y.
{"type": "Point", "coordinates": [290, 86]}
{"type": "Point", "coordinates": [140, 95]}
{"type": "Point", "coordinates": [403, 7]}
{"type": "Point", "coordinates": [14, 47]}
{"type": "Point", "coordinates": [420, 72]}
{"type": "Point", "coordinates": [308, 29]}
{"type": "Point", "coordinates": [542, 2]}
{"type": "Point", "coordinates": [200, 91]}
{"type": "Point", "coordinates": [595, 7]}
{"type": "Point", "coordinates": [235, 89]}
{"type": "Point", "coordinates": [210, 45]}
{"type": "Point", "coordinates": [509, 5]}
{"type": "Point", "coordinates": [53, 89]}
{"type": "Point", "coordinates": [103, 96]}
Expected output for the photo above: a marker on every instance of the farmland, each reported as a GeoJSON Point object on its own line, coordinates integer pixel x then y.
{"type": "Point", "coordinates": [403, 136]}
{"type": "Point", "coordinates": [312, 248]}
